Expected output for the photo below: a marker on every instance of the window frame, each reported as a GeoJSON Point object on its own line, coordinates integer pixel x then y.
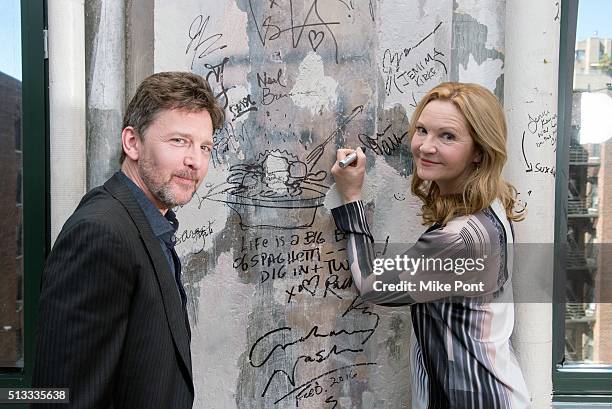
{"type": "Point", "coordinates": [35, 174]}
{"type": "Point", "coordinates": [592, 383]}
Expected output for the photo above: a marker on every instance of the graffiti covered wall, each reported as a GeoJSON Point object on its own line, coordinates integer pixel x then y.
{"type": "Point", "coordinates": [275, 317]}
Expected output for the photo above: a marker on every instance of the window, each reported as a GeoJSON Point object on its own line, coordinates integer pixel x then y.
{"type": "Point", "coordinates": [18, 134]}
{"type": "Point", "coordinates": [23, 192]}
{"type": "Point", "coordinates": [582, 367]}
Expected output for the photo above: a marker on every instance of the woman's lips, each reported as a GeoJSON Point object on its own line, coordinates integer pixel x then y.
{"type": "Point", "coordinates": [426, 162]}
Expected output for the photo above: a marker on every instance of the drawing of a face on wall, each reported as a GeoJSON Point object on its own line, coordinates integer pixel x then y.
{"type": "Point", "coordinates": [277, 190]}
{"type": "Point", "coordinates": [281, 175]}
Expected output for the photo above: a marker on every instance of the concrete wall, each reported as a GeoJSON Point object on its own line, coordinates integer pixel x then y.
{"type": "Point", "coordinates": [67, 109]}
{"type": "Point", "coordinates": [298, 79]}
{"type": "Point", "coordinates": [530, 101]}
{"type": "Point", "coordinates": [105, 68]}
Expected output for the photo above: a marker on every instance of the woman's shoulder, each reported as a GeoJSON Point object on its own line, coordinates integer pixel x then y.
{"type": "Point", "coordinates": [487, 225]}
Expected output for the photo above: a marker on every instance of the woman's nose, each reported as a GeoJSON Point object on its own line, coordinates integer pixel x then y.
{"type": "Point", "coordinates": [428, 145]}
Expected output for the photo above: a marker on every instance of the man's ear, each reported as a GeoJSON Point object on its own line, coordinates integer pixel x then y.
{"type": "Point", "coordinates": [130, 142]}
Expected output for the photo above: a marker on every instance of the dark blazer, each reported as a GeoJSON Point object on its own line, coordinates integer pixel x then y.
{"type": "Point", "coordinates": [111, 324]}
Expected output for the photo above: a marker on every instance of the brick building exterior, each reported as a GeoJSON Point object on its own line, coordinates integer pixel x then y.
{"type": "Point", "coordinates": [11, 254]}
{"type": "Point", "coordinates": [602, 330]}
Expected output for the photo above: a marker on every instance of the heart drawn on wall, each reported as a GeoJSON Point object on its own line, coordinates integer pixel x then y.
{"type": "Point", "coordinates": [316, 38]}
{"type": "Point", "coordinates": [308, 285]}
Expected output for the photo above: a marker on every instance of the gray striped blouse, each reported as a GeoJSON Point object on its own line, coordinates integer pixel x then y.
{"type": "Point", "coordinates": [461, 351]}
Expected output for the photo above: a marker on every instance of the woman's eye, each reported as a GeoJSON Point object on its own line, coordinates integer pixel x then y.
{"type": "Point", "coordinates": [448, 136]}
{"type": "Point", "coordinates": [421, 130]}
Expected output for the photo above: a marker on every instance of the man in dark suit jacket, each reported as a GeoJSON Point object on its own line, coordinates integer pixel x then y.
{"type": "Point", "coordinates": [113, 327]}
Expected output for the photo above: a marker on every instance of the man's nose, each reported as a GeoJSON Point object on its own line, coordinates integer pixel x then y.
{"type": "Point", "coordinates": [194, 158]}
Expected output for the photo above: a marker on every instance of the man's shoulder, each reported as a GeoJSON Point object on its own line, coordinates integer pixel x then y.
{"type": "Point", "coordinates": [99, 206]}
{"type": "Point", "coordinates": [99, 203]}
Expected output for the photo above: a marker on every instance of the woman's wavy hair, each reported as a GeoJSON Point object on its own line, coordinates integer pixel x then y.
{"type": "Point", "coordinates": [485, 118]}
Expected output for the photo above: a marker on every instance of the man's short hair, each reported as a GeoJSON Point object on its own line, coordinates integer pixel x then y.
{"type": "Point", "coordinates": [170, 90]}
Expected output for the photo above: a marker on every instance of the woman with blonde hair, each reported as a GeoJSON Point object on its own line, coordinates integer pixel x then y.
{"type": "Point", "coordinates": [457, 277]}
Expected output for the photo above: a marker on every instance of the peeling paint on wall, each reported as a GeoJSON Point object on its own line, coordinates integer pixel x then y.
{"type": "Point", "coordinates": [478, 43]}
{"type": "Point", "coordinates": [105, 66]}
{"type": "Point", "coordinates": [486, 73]}
{"type": "Point", "coordinates": [312, 89]}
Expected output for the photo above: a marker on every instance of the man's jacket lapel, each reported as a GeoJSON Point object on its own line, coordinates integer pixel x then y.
{"type": "Point", "coordinates": [167, 284]}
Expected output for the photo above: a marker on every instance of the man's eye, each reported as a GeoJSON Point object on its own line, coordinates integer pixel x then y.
{"type": "Point", "coordinates": [207, 148]}
{"type": "Point", "coordinates": [179, 141]}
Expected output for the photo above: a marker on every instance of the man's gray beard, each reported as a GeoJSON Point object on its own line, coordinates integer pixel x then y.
{"type": "Point", "coordinates": [165, 196]}
{"type": "Point", "coordinates": [163, 193]}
